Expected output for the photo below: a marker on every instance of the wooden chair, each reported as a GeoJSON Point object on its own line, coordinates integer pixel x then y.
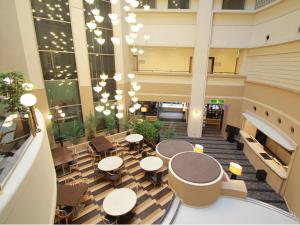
{"type": "Point", "coordinates": [144, 154]}
{"type": "Point", "coordinates": [107, 219]}
{"type": "Point", "coordinates": [74, 164]}
{"type": "Point", "coordinates": [64, 214]}
{"type": "Point", "coordinates": [113, 177]}
{"type": "Point", "coordinates": [156, 179]}
{"type": "Point", "coordinates": [116, 147]}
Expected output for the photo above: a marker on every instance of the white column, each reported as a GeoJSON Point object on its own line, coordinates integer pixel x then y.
{"type": "Point", "coordinates": [81, 56]}
{"type": "Point", "coordinates": [200, 64]}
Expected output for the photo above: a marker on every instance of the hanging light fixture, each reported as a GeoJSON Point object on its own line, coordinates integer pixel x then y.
{"type": "Point", "coordinates": [98, 32]}
{"type": "Point", "coordinates": [113, 1]}
{"type": "Point", "coordinates": [95, 12]}
{"type": "Point", "coordinates": [134, 99]}
{"type": "Point", "coordinates": [119, 115]}
{"type": "Point", "coordinates": [129, 40]}
{"type": "Point", "coordinates": [146, 37]}
{"type": "Point", "coordinates": [126, 8]}
{"type": "Point", "coordinates": [105, 95]}
{"type": "Point", "coordinates": [118, 97]}
{"type": "Point", "coordinates": [119, 91]}
{"type": "Point", "coordinates": [136, 87]}
{"type": "Point", "coordinates": [91, 25]}
{"type": "Point", "coordinates": [131, 75]}
{"type": "Point", "coordinates": [97, 88]}
{"type": "Point", "coordinates": [99, 19]}
{"type": "Point", "coordinates": [146, 7]}
{"type": "Point", "coordinates": [132, 109]}
{"type": "Point", "coordinates": [117, 77]}
{"type": "Point", "coordinates": [120, 107]}
{"type": "Point", "coordinates": [113, 16]}
{"type": "Point", "coordinates": [134, 50]}
{"type": "Point", "coordinates": [134, 3]}
{"type": "Point", "coordinates": [141, 51]}
{"type": "Point", "coordinates": [99, 108]}
{"type": "Point", "coordinates": [103, 100]}
{"type": "Point", "coordinates": [103, 76]}
{"type": "Point", "coordinates": [137, 106]}
{"type": "Point", "coordinates": [106, 112]}
{"type": "Point", "coordinates": [90, 1]}
{"type": "Point", "coordinates": [133, 35]}
{"type": "Point", "coordinates": [131, 93]}
{"type": "Point", "coordinates": [100, 41]}
{"type": "Point", "coordinates": [115, 40]}
{"type": "Point", "coordinates": [102, 83]}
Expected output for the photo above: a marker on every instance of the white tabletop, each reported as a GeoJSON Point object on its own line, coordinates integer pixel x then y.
{"type": "Point", "coordinates": [151, 163]}
{"type": "Point", "coordinates": [132, 138]}
{"type": "Point", "coordinates": [119, 202]}
{"type": "Point", "coordinates": [110, 163]}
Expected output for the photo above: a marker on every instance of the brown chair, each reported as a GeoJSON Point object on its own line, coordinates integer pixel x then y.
{"type": "Point", "coordinates": [115, 149]}
{"type": "Point", "coordinates": [156, 179]}
{"type": "Point", "coordinates": [110, 219]}
{"type": "Point", "coordinates": [74, 164]}
{"type": "Point", "coordinates": [144, 154]}
{"type": "Point", "coordinates": [113, 177]}
{"type": "Point", "coordinates": [64, 214]}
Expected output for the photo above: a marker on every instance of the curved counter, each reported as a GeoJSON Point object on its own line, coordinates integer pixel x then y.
{"type": "Point", "coordinates": [29, 195]}
{"type": "Point", "coordinates": [195, 178]}
{"type": "Point", "coordinates": [168, 148]}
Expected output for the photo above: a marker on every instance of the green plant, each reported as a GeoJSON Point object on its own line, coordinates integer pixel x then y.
{"type": "Point", "coordinates": [147, 129]}
{"type": "Point", "coordinates": [110, 123]}
{"type": "Point", "coordinates": [90, 126]}
{"type": "Point", "coordinates": [11, 90]}
{"type": "Point", "coordinates": [75, 131]}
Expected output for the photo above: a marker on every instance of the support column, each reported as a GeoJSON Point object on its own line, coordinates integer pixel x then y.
{"type": "Point", "coordinates": [122, 56]}
{"type": "Point", "coordinates": [81, 57]}
{"type": "Point", "coordinates": [200, 64]}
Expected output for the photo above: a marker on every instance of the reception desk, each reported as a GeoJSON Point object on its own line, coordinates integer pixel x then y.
{"type": "Point", "coordinates": [276, 174]}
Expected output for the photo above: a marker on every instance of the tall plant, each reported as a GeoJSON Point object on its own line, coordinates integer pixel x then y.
{"type": "Point", "coordinates": [90, 126]}
{"type": "Point", "coordinates": [149, 130]}
{"type": "Point", "coordinates": [11, 90]}
{"type": "Point", "coordinates": [110, 123]}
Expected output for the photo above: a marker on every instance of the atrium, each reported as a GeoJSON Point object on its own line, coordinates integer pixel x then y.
{"type": "Point", "coordinates": [149, 111]}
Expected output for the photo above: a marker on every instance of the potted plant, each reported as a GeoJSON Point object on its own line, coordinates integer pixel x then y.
{"type": "Point", "coordinates": [11, 89]}
{"type": "Point", "coordinates": [75, 132]}
{"type": "Point", "coordinates": [90, 126]}
{"type": "Point", "coordinates": [110, 123]}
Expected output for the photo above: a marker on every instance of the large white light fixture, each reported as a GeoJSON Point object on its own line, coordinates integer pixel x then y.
{"type": "Point", "coordinates": [91, 25]}
{"type": "Point", "coordinates": [113, 16]}
{"type": "Point", "coordinates": [97, 89]}
{"type": "Point", "coordinates": [137, 106]}
{"type": "Point", "coordinates": [146, 7]}
{"type": "Point", "coordinates": [103, 76]}
{"type": "Point", "coordinates": [117, 76]}
{"type": "Point", "coordinates": [28, 100]}
{"type": "Point", "coordinates": [106, 112]}
{"type": "Point", "coordinates": [105, 95]}
{"type": "Point", "coordinates": [99, 19]}
{"type": "Point", "coordinates": [129, 40]}
{"type": "Point", "coordinates": [136, 87]}
{"type": "Point", "coordinates": [99, 108]}
{"type": "Point", "coordinates": [103, 100]}
{"type": "Point", "coordinates": [90, 1]}
{"type": "Point", "coordinates": [134, 50]}
{"type": "Point", "coordinates": [98, 32]}
{"type": "Point", "coordinates": [119, 115]}
{"type": "Point", "coordinates": [119, 91]}
{"type": "Point", "coordinates": [115, 40]}
{"type": "Point", "coordinates": [131, 75]}
{"type": "Point", "coordinates": [118, 97]}
{"type": "Point", "coordinates": [113, 1]}
{"type": "Point", "coordinates": [131, 93]}
{"type": "Point", "coordinates": [100, 41]}
{"type": "Point", "coordinates": [134, 99]}
{"type": "Point", "coordinates": [132, 109]}
{"type": "Point", "coordinates": [96, 12]}
{"type": "Point", "coordinates": [102, 83]}
{"type": "Point", "coordinates": [120, 107]}
{"type": "Point", "coordinates": [134, 3]}
{"type": "Point", "coordinates": [126, 8]}
{"type": "Point", "coordinates": [146, 37]}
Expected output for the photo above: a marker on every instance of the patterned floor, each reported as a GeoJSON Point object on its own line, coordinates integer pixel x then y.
{"type": "Point", "coordinates": [226, 152]}
{"type": "Point", "coordinates": [152, 202]}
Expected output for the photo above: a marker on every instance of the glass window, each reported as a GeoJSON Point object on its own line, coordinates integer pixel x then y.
{"type": "Point", "coordinates": [69, 126]}
{"type": "Point", "coordinates": [233, 4]}
{"type": "Point", "coordinates": [101, 60]}
{"type": "Point", "coordinates": [151, 3]}
{"type": "Point", "coordinates": [56, 48]}
{"type": "Point", "coordinates": [178, 4]}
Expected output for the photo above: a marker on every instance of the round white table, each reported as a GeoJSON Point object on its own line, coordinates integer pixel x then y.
{"type": "Point", "coordinates": [133, 138]}
{"type": "Point", "coordinates": [110, 163]}
{"type": "Point", "coordinates": [119, 202]}
{"type": "Point", "coordinates": [151, 163]}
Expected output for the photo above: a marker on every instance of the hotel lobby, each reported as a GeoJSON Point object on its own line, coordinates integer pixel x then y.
{"type": "Point", "coordinates": [149, 111]}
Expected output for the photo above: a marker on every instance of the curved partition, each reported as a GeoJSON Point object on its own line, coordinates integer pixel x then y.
{"type": "Point", "coordinates": [29, 195]}
{"type": "Point", "coordinates": [195, 178]}
{"type": "Point", "coordinates": [168, 148]}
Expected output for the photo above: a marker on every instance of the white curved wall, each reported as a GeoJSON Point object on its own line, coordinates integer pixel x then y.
{"type": "Point", "coordinates": [29, 196]}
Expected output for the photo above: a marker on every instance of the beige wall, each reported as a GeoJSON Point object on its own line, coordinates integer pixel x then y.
{"type": "Point", "coordinates": [165, 59]}
{"type": "Point", "coordinates": [277, 65]}
{"type": "Point", "coordinates": [29, 196]}
{"type": "Point", "coordinates": [225, 60]}
{"type": "Point", "coordinates": [283, 104]}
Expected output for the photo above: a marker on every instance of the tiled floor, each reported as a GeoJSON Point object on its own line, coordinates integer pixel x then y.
{"type": "Point", "coordinates": [152, 203]}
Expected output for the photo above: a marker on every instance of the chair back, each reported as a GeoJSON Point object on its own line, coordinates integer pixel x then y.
{"type": "Point", "coordinates": [144, 154]}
